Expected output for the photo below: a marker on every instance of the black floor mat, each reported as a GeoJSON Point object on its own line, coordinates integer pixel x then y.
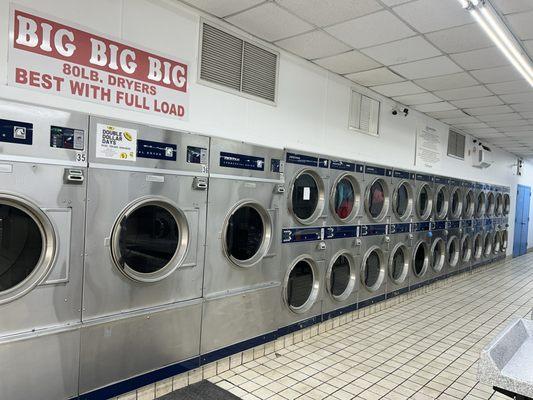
{"type": "Point", "coordinates": [204, 390]}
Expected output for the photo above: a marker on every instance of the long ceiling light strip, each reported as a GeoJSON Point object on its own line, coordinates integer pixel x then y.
{"type": "Point", "coordinates": [487, 18]}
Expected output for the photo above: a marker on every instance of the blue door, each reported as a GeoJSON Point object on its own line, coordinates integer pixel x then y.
{"type": "Point", "coordinates": [523, 197]}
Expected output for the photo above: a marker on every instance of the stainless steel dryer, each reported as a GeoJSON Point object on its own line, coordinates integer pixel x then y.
{"type": "Point", "coordinates": [345, 194]}
{"type": "Point", "coordinates": [466, 254]}
{"type": "Point", "coordinates": [142, 294]}
{"type": "Point", "coordinates": [242, 264]}
{"type": "Point", "coordinates": [453, 247]}
{"type": "Point", "coordinates": [469, 200]}
{"type": "Point", "coordinates": [424, 195]}
{"type": "Point", "coordinates": [490, 210]}
{"type": "Point", "coordinates": [477, 244]}
{"type": "Point", "coordinates": [506, 200]}
{"type": "Point", "coordinates": [377, 198]}
{"type": "Point", "coordinates": [456, 189]}
{"type": "Point", "coordinates": [480, 201]}
{"type": "Point", "coordinates": [441, 198]}
{"type": "Point", "coordinates": [374, 264]}
{"type": "Point", "coordinates": [42, 215]}
{"type": "Point", "coordinates": [403, 196]}
{"type": "Point", "coordinates": [488, 241]}
{"type": "Point", "coordinates": [303, 262]}
{"type": "Point", "coordinates": [399, 258]}
{"type": "Point", "coordinates": [420, 261]}
{"type": "Point", "coordinates": [437, 253]}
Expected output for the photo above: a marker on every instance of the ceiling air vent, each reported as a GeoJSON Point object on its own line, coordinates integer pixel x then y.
{"type": "Point", "coordinates": [364, 113]}
{"type": "Point", "coordinates": [235, 64]}
{"type": "Point", "coordinates": [456, 144]}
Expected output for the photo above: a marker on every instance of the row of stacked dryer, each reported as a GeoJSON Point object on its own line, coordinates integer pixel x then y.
{"type": "Point", "coordinates": [131, 253]}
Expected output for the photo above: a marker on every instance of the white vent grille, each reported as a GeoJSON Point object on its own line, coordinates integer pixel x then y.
{"type": "Point", "coordinates": [456, 144]}
{"type": "Point", "coordinates": [238, 65]}
{"type": "Point", "coordinates": [364, 113]}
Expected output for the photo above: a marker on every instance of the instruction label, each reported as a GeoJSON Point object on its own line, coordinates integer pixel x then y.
{"type": "Point", "coordinates": [116, 143]}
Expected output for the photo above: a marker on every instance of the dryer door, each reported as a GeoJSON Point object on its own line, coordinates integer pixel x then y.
{"type": "Point", "coordinates": [27, 247]}
{"type": "Point", "coordinates": [307, 197]}
{"type": "Point", "coordinates": [150, 239]}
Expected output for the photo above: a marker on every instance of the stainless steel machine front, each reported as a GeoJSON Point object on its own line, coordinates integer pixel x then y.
{"type": "Point", "coordinates": [454, 246]}
{"type": "Point", "coordinates": [377, 194]}
{"type": "Point", "coordinates": [403, 196]}
{"type": "Point", "coordinates": [420, 261]}
{"type": "Point", "coordinates": [242, 265]}
{"type": "Point", "coordinates": [42, 215]}
{"type": "Point", "coordinates": [144, 257]}
{"type": "Point", "coordinates": [441, 198]}
{"type": "Point", "coordinates": [424, 196]}
{"type": "Point", "coordinates": [346, 192]}
{"type": "Point", "coordinates": [437, 251]}
{"type": "Point", "coordinates": [399, 258]}
{"type": "Point", "coordinates": [374, 264]}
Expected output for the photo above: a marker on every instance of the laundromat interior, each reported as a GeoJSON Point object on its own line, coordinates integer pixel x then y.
{"type": "Point", "coordinates": [266, 199]}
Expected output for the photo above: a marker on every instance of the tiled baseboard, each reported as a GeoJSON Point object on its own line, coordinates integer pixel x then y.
{"type": "Point", "coordinates": [152, 391]}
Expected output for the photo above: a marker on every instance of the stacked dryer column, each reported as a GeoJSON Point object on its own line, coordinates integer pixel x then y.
{"type": "Point", "coordinates": [345, 210]}
{"type": "Point", "coordinates": [440, 230]}
{"type": "Point", "coordinates": [374, 235]}
{"type": "Point", "coordinates": [42, 215]}
{"type": "Point", "coordinates": [242, 274]}
{"type": "Point", "coordinates": [504, 221]}
{"type": "Point", "coordinates": [303, 262]}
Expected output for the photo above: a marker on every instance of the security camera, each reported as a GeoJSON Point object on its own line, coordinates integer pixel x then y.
{"type": "Point", "coordinates": [405, 112]}
{"type": "Point", "coordinates": [399, 110]}
{"type": "Point", "coordinates": [394, 111]}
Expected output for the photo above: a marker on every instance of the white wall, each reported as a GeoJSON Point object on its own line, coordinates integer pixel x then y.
{"type": "Point", "coordinates": [312, 109]}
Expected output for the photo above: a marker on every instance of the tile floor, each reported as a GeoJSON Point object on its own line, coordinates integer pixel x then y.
{"type": "Point", "coordinates": [424, 348]}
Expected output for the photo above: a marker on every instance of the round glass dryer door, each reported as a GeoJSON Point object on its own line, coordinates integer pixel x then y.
{"type": "Point", "coordinates": [504, 240]}
{"type": "Point", "coordinates": [377, 199]}
{"type": "Point", "coordinates": [247, 234]}
{"type": "Point", "coordinates": [441, 202]}
{"type": "Point", "coordinates": [466, 248]}
{"type": "Point", "coordinates": [478, 246]}
{"type": "Point", "coordinates": [438, 254]}
{"type": "Point", "coordinates": [307, 197]}
{"type": "Point", "coordinates": [373, 270]}
{"type": "Point", "coordinates": [27, 247]}
{"type": "Point", "coordinates": [424, 202]}
{"type": "Point", "coordinates": [345, 198]}
{"type": "Point", "coordinates": [456, 203]}
{"type": "Point", "coordinates": [491, 204]}
{"type": "Point", "coordinates": [506, 204]}
{"type": "Point", "coordinates": [149, 240]}
{"type": "Point", "coordinates": [468, 205]}
{"type": "Point", "coordinates": [301, 285]}
{"type": "Point", "coordinates": [487, 244]}
{"type": "Point", "coordinates": [499, 205]}
{"type": "Point", "coordinates": [481, 204]}
{"type": "Point", "coordinates": [420, 259]}
{"type": "Point", "coordinates": [453, 251]}
{"type": "Point", "coordinates": [341, 277]}
{"type": "Point", "coordinates": [402, 202]}
{"type": "Point", "coordinates": [399, 264]}
{"type": "Point", "coordinates": [497, 243]}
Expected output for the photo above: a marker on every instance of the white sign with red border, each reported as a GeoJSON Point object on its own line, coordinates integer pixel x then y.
{"type": "Point", "coordinates": [61, 58]}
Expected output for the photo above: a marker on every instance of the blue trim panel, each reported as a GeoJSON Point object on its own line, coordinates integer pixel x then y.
{"type": "Point", "coordinates": [341, 232]}
{"type": "Point", "coordinates": [339, 311]}
{"type": "Point", "coordinates": [296, 235]}
{"type": "Point", "coordinates": [236, 348]}
{"type": "Point", "coordinates": [400, 174]}
{"type": "Point", "coordinates": [16, 132]}
{"type": "Point", "coordinates": [374, 170]}
{"type": "Point", "coordinates": [421, 226]}
{"type": "Point", "coordinates": [453, 224]}
{"type": "Point", "coordinates": [302, 159]}
{"type": "Point", "coordinates": [372, 300]}
{"type": "Point", "coordinates": [323, 163]}
{"type": "Point", "coordinates": [299, 325]}
{"type": "Point", "coordinates": [156, 150]}
{"type": "Point", "coordinates": [241, 161]}
{"type": "Point", "coordinates": [442, 180]}
{"type": "Point", "coordinates": [438, 225]}
{"type": "Point", "coordinates": [374, 230]}
{"type": "Point", "coordinates": [342, 165]}
{"type": "Point", "coordinates": [424, 178]}
{"type": "Point", "coordinates": [400, 228]}
{"type": "Point", "coordinates": [397, 292]}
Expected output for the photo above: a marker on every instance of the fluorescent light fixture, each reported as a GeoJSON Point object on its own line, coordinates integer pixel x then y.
{"type": "Point", "coordinates": [495, 28]}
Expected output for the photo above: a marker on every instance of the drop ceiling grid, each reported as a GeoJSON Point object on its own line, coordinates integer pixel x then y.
{"type": "Point", "coordinates": [487, 87]}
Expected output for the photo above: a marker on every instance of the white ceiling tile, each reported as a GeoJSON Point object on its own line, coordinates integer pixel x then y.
{"type": "Point", "coordinates": [349, 62]}
{"type": "Point", "coordinates": [512, 6]}
{"type": "Point", "coordinates": [401, 51]}
{"type": "Point", "coordinates": [391, 3]}
{"type": "Point", "coordinates": [477, 102]}
{"type": "Point", "coordinates": [528, 115]}
{"type": "Point", "coordinates": [488, 110]}
{"type": "Point", "coordinates": [222, 8]}
{"type": "Point", "coordinates": [452, 81]}
{"type": "Point", "coordinates": [398, 89]}
{"type": "Point", "coordinates": [379, 76]}
{"type": "Point", "coordinates": [518, 97]}
{"type": "Point", "coordinates": [521, 24]}
{"type": "Point", "coordinates": [517, 129]}
{"type": "Point", "coordinates": [485, 131]}
{"type": "Point", "coordinates": [505, 124]}
{"type": "Point", "coordinates": [329, 12]}
{"type": "Point", "coordinates": [495, 75]}
{"type": "Point", "coordinates": [523, 107]}
{"type": "Point", "coordinates": [427, 68]}
{"type": "Point", "coordinates": [483, 58]}
{"type": "Point", "coordinates": [447, 114]}
{"type": "Point", "coordinates": [462, 120]}
{"type": "Point", "coordinates": [499, 117]}
{"type": "Point", "coordinates": [528, 44]}
{"type": "Point", "coordinates": [460, 39]}
{"type": "Point", "coordinates": [463, 93]}
{"type": "Point", "coordinates": [431, 15]}
{"type": "Point", "coordinates": [509, 87]}
{"type": "Point", "coordinates": [435, 107]}
{"type": "Point", "coordinates": [467, 127]}
{"type": "Point", "coordinates": [362, 32]}
{"type": "Point", "coordinates": [269, 22]}
{"type": "Point", "coordinates": [311, 45]}
{"type": "Point", "coordinates": [415, 99]}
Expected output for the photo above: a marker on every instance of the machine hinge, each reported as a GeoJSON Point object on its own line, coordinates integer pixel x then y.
{"type": "Point", "coordinates": [199, 183]}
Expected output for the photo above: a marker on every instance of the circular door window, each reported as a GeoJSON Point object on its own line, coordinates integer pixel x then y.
{"type": "Point", "coordinates": [490, 204]}
{"type": "Point", "coordinates": [341, 277]}
{"type": "Point", "coordinates": [377, 199]}
{"type": "Point", "coordinates": [301, 285]}
{"type": "Point", "coordinates": [438, 254]}
{"type": "Point", "coordinates": [399, 264]}
{"type": "Point", "coordinates": [506, 204]}
{"type": "Point", "coordinates": [248, 232]}
{"type": "Point", "coordinates": [468, 205]}
{"type": "Point", "coordinates": [456, 203]}
{"type": "Point", "coordinates": [499, 205]}
{"type": "Point", "coordinates": [27, 247]}
{"type": "Point", "coordinates": [504, 240]}
{"type": "Point", "coordinates": [497, 242]}
{"type": "Point", "coordinates": [150, 239]}
{"type": "Point", "coordinates": [478, 246]}
{"type": "Point", "coordinates": [345, 198]}
{"type": "Point", "coordinates": [466, 249]}
{"type": "Point", "coordinates": [424, 202]}
{"type": "Point", "coordinates": [373, 270]}
{"type": "Point", "coordinates": [441, 203]}
{"type": "Point", "coordinates": [481, 204]}
{"type": "Point", "coordinates": [452, 256]}
{"type": "Point", "coordinates": [402, 203]}
{"type": "Point", "coordinates": [307, 197]}
{"type": "Point", "coordinates": [420, 259]}
{"type": "Point", "coordinates": [487, 244]}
